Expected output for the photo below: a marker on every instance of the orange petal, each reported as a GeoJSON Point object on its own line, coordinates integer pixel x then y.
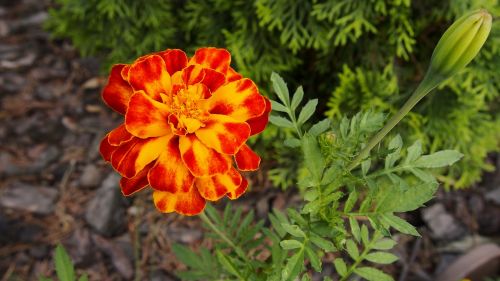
{"type": "Point", "coordinates": [258, 124]}
{"type": "Point", "coordinates": [137, 183]}
{"type": "Point", "coordinates": [106, 149]}
{"type": "Point", "coordinates": [246, 159]}
{"type": "Point", "coordinates": [223, 133]}
{"type": "Point", "coordinates": [232, 75]}
{"type": "Point", "coordinates": [169, 173]}
{"type": "Point", "coordinates": [146, 117]}
{"type": "Point", "coordinates": [239, 99]}
{"type": "Point", "coordinates": [131, 157]}
{"type": "Point", "coordinates": [192, 74]}
{"type": "Point", "coordinates": [214, 188]}
{"type": "Point", "coordinates": [119, 135]}
{"type": "Point", "coordinates": [150, 75]}
{"type": "Point", "coordinates": [187, 203]}
{"type": "Point", "coordinates": [213, 79]}
{"type": "Point", "coordinates": [201, 160]}
{"type": "Point", "coordinates": [240, 190]}
{"type": "Point", "coordinates": [217, 59]}
{"type": "Point", "coordinates": [175, 60]}
{"type": "Point", "coordinates": [117, 92]}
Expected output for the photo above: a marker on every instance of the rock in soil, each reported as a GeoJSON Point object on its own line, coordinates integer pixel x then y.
{"type": "Point", "coordinates": [25, 197]}
{"type": "Point", "coordinates": [91, 176]}
{"type": "Point", "coordinates": [442, 224]}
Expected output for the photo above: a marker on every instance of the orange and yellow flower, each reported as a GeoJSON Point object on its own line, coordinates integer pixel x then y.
{"type": "Point", "coordinates": [186, 122]}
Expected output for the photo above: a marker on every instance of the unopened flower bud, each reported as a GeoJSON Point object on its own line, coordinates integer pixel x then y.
{"type": "Point", "coordinates": [460, 43]}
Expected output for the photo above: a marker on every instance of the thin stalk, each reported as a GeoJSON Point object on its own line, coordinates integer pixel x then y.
{"type": "Point", "coordinates": [429, 83]}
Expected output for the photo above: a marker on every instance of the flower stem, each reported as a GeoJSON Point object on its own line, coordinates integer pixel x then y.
{"type": "Point", "coordinates": [430, 82]}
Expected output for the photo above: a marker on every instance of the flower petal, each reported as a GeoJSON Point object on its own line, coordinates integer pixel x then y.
{"type": "Point", "coordinates": [217, 59]}
{"type": "Point", "coordinates": [246, 159]}
{"type": "Point", "coordinates": [239, 99]}
{"type": "Point", "coordinates": [232, 75]}
{"type": "Point", "coordinates": [117, 92]}
{"type": "Point", "coordinates": [186, 203]}
{"type": "Point", "coordinates": [169, 173]}
{"type": "Point", "coordinates": [201, 160]}
{"type": "Point", "coordinates": [240, 190]}
{"type": "Point", "coordinates": [106, 149]}
{"type": "Point", "coordinates": [214, 188]}
{"type": "Point", "coordinates": [119, 135]}
{"type": "Point", "coordinates": [150, 75]}
{"type": "Point", "coordinates": [175, 60]}
{"type": "Point", "coordinates": [146, 117]}
{"type": "Point", "coordinates": [192, 74]}
{"type": "Point", "coordinates": [223, 133]}
{"type": "Point", "coordinates": [213, 79]}
{"type": "Point", "coordinates": [137, 183]}
{"type": "Point", "coordinates": [258, 124]}
{"type": "Point", "coordinates": [131, 157]}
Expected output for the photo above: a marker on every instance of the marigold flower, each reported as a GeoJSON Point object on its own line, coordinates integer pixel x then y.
{"type": "Point", "coordinates": [185, 127]}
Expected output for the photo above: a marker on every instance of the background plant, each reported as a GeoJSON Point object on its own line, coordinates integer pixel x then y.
{"type": "Point", "coordinates": [352, 55]}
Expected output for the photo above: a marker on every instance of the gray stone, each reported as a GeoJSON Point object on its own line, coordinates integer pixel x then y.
{"type": "Point", "coordinates": [105, 212]}
{"type": "Point", "coordinates": [25, 197]}
{"type": "Point", "coordinates": [442, 224]}
{"type": "Point", "coordinates": [494, 195]}
{"type": "Point", "coordinates": [91, 176]}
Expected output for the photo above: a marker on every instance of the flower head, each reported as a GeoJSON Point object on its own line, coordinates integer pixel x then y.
{"type": "Point", "coordinates": [186, 122]}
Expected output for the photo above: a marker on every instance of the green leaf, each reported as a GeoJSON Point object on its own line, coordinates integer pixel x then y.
{"type": "Point", "coordinates": [351, 201]}
{"type": "Point", "coordinates": [290, 244]}
{"type": "Point", "coordinates": [295, 216]}
{"type": "Point", "coordinates": [365, 166]}
{"type": "Point", "coordinates": [312, 156]}
{"type": "Point", "coordinates": [280, 121]}
{"type": "Point", "coordinates": [307, 111]}
{"type": "Point", "coordinates": [372, 274]}
{"type": "Point", "coordinates": [314, 259]}
{"type": "Point", "coordinates": [365, 237]}
{"type": "Point", "coordinates": [414, 151]}
{"type": "Point", "coordinates": [415, 196]}
{"type": "Point", "coordinates": [293, 266]}
{"type": "Point", "coordinates": [276, 106]}
{"type": "Point", "coordinates": [399, 224]}
{"type": "Point", "coordinates": [280, 88]}
{"type": "Point", "coordinates": [64, 267]}
{"type": "Point", "coordinates": [384, 244]}
{"type": "Point", "coordinates": [352, 249]}
{"type": "Point", "coordinates": [294, 230]}
{"type": "Point", "coordinates": [292, 142]}
{"type": "Point", "coordinates": [305, 277]}
{"type": "Point", "coordinates": [381, 257]}
{"type": "Point", "coordinates": [322, 243]}
{"type": "Point", "coordinates": [186, 256]}
{"type": "Point", "coordinates": [355, 231]}
{"type": "Point", "coordinates": [320, 127]}
{"type": "Point", "coordinates": [297, 98]}
{"type": "Point", "coordinates": [331, 174]}
{"type": "Point", "coordinates": [228, 265]}
{"type": "Point", "coordinates": [439, 159]}
{"type": "Point", "coordinates": [277, 225]}
{"type": "Point", "coordinates": [395, 144]}
{"type": "Point", "coordinates": [340, 266]}
{"type": "Point", "coordinates": [84, 277]}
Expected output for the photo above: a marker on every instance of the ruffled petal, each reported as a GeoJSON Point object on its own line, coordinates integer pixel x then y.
{"type": "Point", "coordinates": [169, 173]}
{"type": "Point", "coordinates": [106, 149]}
{"type": "Point", "coordinates": [119, 135]}
{"type": "Point", "coordinates": [214, 188]}
{"type": "Point", "coordinates": [246, 159]}
{"type": "Point", "coordinates": [146, 117]}
{"type": "Point", "coordinates": [192, 74]}
{"type": "Point", "coordinates": [217, 59]}
{"type": "Point", "coordinates": [238, 191]}
{"type": "Point", "coordinates": [232, 75]}
{"type": "Point", "coordinates": [150, 75]}
{"type": "Point", "coordinates": [213, 79]}
{"type": "Point", "coordinates": [201, 160]}
{"type": "Point", "coordinates": [223, 133]}
{"type": "Point", "coordinates": [175, 60]}
{"type": "Point", "coordinates": [131, 157]}
{"type": "Point", "coordinates": [188, 203]}
{"type": "Point", "coordinates": [137, 183]}
{"type": "Point", "coordinates": [258, 124]}
{"type": "Point", "coordinates": [117, 92]}
{"type": "Point", "coordinates": [239, 99]}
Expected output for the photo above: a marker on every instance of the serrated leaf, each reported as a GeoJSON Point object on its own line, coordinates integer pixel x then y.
{"type": "Point", "coordinates": [423, 175]}
{"type": "Point", "coordinates": [64, 267]}
{"type": "Point", "coordinates": [307, 111]}
{"type": "Point", "coordinates": [372, 274]}
{"type": "Point", "coordinates": [228, 265]}
{"type": "Point", "coordinates": [365, 166]}
{"type": "Point", "coordinates": [365, 236]}
{"type": "Point", "coordinates": [352, 249]}
{"type": "Point", "coordinates": [280, 88]}
{"type": "Point", "coordinates": [320, 127]}
{"type": "Point", "coordinates": [381, 257]}
{"type": "Point", "coordinates": [186, 256]}
{"type": "Point", "coordinates": [295, 216]}
{"type": "Point", "coordinates": [355, 231]}
{"type": "Point", "coordinates": [280, 121]}
{"type": "Point", "coordinates": [384, 244]}
{"type": "Point", "coordinates": [331, 174]}
{"type": "Point", "coordinates": [305, 277]}
{"type": "Point", "coordinates": [84, 277]}
{"type": "Point", "coordinates": [276, 106]}
{"type": "Point", "coordinates": [322, 243]}
{"type": "Point", "coordinates": [297, 98]}
{"type": "Point", "coordinates": [414, 152]}
{"type": "Point", "coordinates": [277, 225]}
{"type": "Point", "coordinates": [351, 201]}
{"type": "Point", "coordinates": [415, 196]}
{"type": "Point", "coordinates": [292, 142]}
{"type": "Point", "coordinates": [340, 266]}
{"type": "Point", "coordinates": [312, 156]}
{"type": "Point", "coordinates": [293, 266]}
{"type": "Point", "coordinates": [395, 144]}
{"type": "Point", "coordinates": [439, 159]}
{"type": "Point", "coordinates": [290, 244]}
{"type": "Point", "coordinates": [294, 230]}
{"type": "Point", "coordinates": [314, 259]}
{"type": "Point", "coordinates": [399, 224]}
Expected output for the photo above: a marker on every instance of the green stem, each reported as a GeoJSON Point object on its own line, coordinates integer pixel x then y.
{"type": "Point", "coordinates": [430, 82]}
{"type": "Point", "coordinates": [223, 236]}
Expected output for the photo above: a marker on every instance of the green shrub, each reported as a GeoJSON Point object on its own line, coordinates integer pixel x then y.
{"type": "Point", "coordinates": [355, 55]}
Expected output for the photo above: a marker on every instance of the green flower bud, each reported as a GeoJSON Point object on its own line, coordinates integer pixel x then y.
{"type": "Point", "coordinates": [460, 44]}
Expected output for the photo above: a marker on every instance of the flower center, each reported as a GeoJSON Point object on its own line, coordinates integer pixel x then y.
{"type": "Point", "coordinates": [187, 109]}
